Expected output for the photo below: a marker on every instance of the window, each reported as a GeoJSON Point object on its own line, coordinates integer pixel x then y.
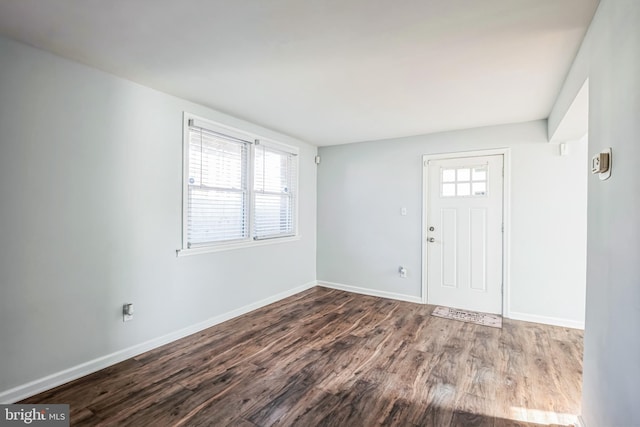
{"type": "Point", "coordinates": [464, 182]}
{"type": "Point", "coordinates": [275, 173]}
{"type": "Point", "coordinates": [239, 188]}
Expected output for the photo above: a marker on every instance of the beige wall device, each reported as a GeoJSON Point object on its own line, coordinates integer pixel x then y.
{"type": "Point", "coordinates": [601, 164]}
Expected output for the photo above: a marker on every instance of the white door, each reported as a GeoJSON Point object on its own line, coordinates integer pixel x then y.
{"type": "Point", "coordinates": [464, 232]}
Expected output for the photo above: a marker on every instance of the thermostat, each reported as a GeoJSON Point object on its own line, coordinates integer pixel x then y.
{"type": "Point", "coordinates": [601, 164]}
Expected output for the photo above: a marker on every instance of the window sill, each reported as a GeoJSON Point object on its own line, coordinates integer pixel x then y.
{"type": "Point", "coordinates": [232, 246]}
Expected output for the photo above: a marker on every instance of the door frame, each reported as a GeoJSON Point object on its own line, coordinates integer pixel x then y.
{"type": "Point", "coordinates": [506, 215]}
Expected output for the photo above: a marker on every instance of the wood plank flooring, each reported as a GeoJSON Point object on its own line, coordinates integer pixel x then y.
{"type": "Point", "coordinates": [331, 358]}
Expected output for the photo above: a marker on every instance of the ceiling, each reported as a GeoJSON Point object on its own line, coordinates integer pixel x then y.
{"type": "Point", "coordinates": [326, 71]}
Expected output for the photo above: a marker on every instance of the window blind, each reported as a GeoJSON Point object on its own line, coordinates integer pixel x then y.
{"type": "Point", "coordinates": [275, 192]}
{"type": "Point", "coordinates": [218, 196]}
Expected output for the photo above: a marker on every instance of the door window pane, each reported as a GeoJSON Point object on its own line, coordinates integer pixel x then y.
{"type": "Point", "coordinates": [464, 174]}
{"type": "Point", "coordinates": [448, 190]}
{"type": "Point", "coordinates": [479, 174]}
{"type": "Point", "coordinates": [479, 188]}
{"type": "Point", "coordinates": [467, 181]}
{"type": "Point", "coordinates": [448, 175]}
{"type": "Point", "coordinates": [464, 189]}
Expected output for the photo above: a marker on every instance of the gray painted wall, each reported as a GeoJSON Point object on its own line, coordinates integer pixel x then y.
{"type": "Point", "coordinates": [90, 218]}
{"type": "Point", "coordinates": [363, 239]}
{"type": "Point", "coordinates": [611, 384]}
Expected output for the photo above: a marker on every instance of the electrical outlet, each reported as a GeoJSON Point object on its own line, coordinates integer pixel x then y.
{"type": "Point", "coordinates": [403, 272]}
{"type": "Point", "coordinates": [127, 312]}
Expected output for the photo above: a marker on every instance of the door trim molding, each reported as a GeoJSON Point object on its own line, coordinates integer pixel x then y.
{"type": "Point", "coordinates": [506, 215]}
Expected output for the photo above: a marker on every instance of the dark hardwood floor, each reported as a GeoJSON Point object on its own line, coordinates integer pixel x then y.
{"type": "Point", "coordinates": [331, 358]}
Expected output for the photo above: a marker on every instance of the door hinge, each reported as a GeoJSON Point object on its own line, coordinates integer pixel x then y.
{"type": "Point", "coordinates": [502, 227]}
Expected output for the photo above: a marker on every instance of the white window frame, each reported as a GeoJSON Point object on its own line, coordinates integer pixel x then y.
{"type": "Point", "coordinates": [249, 241]}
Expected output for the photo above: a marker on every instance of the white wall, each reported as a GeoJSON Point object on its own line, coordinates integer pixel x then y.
{"type": "Point", "coordinates": [90, 218]}
{"type": "Point", "coordinates": [363, 239]}
{"type": "Point", "coordinates": [610, 58]}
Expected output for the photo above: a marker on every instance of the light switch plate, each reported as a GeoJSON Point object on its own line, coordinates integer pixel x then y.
{"type": "Point", "coordinates": [127, 312]}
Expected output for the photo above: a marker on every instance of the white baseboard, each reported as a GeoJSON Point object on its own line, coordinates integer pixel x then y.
{"type": "Point", "coordinates": [34, 387]}
{"type": "Point", "coordinates": [371, 292]}
{"type": "Point", "coordinates": [555, 321]}
{"type": "Point", "coordinates": [581, 422]}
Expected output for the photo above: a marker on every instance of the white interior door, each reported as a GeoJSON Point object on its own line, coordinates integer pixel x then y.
{"type": "Point", "coordinates": [464, 233]}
